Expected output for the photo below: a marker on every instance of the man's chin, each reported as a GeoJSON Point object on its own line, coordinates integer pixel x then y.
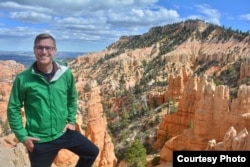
{"type": "Point", "coordinates": [44, 62]}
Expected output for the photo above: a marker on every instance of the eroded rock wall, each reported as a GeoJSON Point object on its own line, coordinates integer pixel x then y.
{"type": "Point", "coordinates": [211, 112]}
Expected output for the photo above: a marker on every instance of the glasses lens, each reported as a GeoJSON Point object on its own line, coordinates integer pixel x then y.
{"type": "Point", "coordinates": [41, 48]}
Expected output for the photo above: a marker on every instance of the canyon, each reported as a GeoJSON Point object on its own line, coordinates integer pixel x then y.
{"type": "Point", "coordinates": [199, 89]}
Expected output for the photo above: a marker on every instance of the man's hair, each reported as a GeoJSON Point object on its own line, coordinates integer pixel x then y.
{"type": "Point", "coordinates": [44, 36]}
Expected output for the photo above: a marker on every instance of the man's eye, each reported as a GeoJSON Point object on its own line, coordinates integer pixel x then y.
{"type": "Point", "coordinates": [41, 48]}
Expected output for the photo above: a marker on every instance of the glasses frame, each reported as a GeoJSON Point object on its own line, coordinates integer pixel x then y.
{"type": "Point", "coordinates": [47, 48]}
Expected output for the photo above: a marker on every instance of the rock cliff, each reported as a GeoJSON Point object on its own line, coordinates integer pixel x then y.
{"type": "Point", "coordinates": [97, 129]}
{"type": "Point", "coordinates": [206, 114]}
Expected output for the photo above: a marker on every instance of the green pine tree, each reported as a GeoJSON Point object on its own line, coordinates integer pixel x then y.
{"type": "Point", "coordinates": [136, 155]}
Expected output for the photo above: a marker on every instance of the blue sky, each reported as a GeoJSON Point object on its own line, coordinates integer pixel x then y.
{"type": "Point", "coordinates": [92, 25]}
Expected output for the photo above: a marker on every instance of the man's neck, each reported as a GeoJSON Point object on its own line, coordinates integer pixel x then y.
{"type": "Point", "coordinates": [48, 68]}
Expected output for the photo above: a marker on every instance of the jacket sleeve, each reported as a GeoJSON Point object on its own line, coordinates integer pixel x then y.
{"type": "Point", "coordinates": [72, 99]}
{"type": "Point", "coordinates": [14, 111]}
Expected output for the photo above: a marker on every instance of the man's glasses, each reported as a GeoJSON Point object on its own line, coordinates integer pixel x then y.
{"type": "Point", "coordinates": [41, 48]}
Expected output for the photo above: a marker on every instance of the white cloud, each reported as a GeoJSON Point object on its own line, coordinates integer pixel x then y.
{"type": "Point", "coordinates": [10, 5]}
{"type": "Point", "coordinates": [245, 17]}
{"type": "Point", "coordinates": [86, 20]}
{"type": "Point", "coordinates": [209, 14]}
{"type": "Point", "coordinates": [30, 17]}
{"type": "Point", "coordinates": [143, 18]}
{"type": "Point", "coordinates": [18, 32]}
{"type": "Point", "coordinates": [69, 7]}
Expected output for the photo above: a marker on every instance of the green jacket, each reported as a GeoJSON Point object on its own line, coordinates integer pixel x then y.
{"type": "Point", "coordinates": [48, 106]}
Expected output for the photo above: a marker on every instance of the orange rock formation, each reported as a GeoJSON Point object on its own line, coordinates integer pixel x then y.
{"type": "Point", "coordinates": [204, 116]}
{"type": "Point", "coordinates": [97, 130]}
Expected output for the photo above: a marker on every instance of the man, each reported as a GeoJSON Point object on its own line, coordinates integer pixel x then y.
{"type": "Point", "coordinates": [48, 94]}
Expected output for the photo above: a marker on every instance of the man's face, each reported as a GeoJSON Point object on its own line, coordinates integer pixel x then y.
{"type": "Point", "coordinates": [44, 51]}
